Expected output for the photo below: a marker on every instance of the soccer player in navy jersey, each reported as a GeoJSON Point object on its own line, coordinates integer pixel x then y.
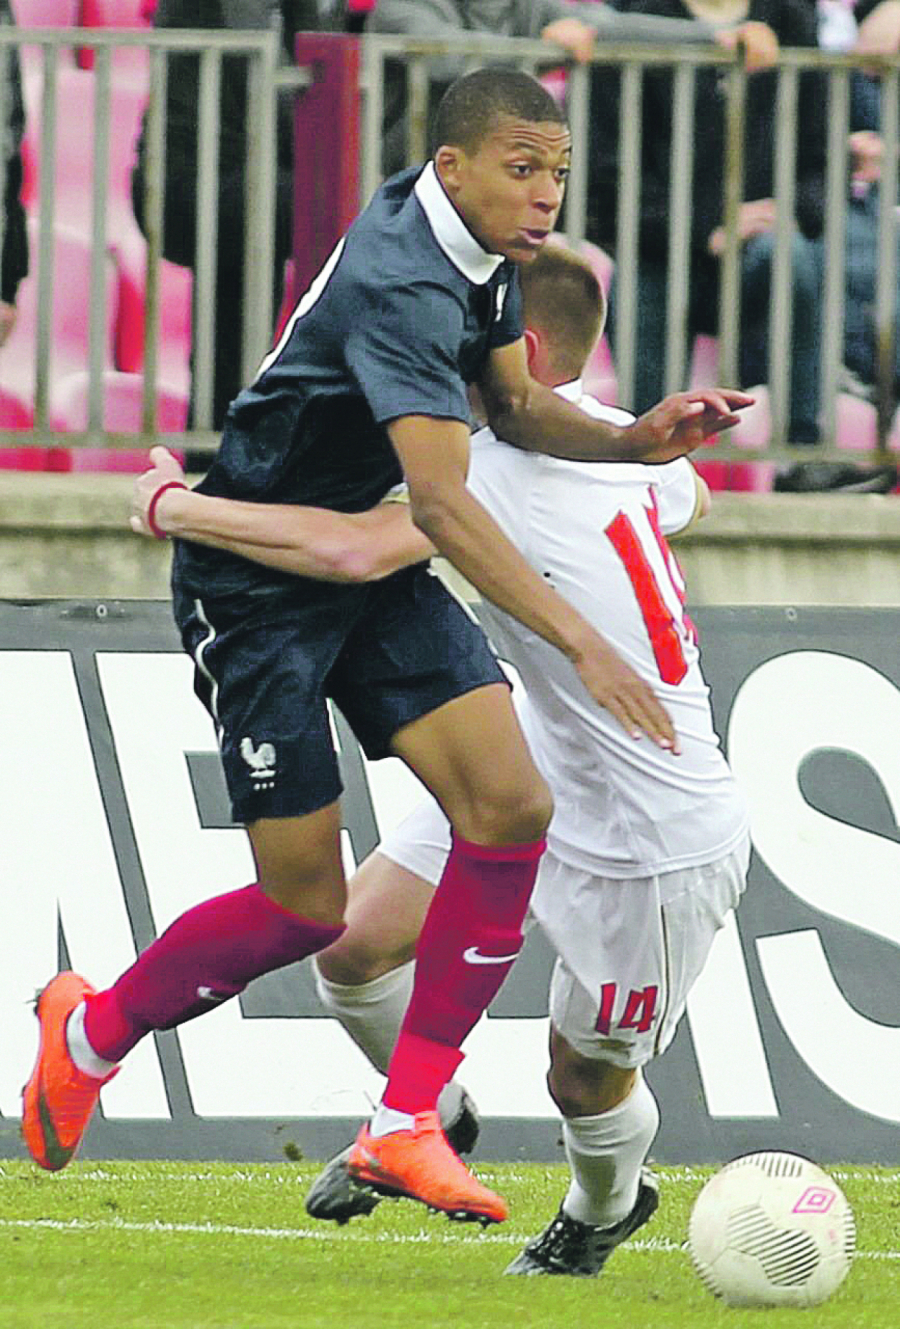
{"type": "Point", "coordinates": [367, 386]}
{"type": "Point", "coordinates": [646, 851]}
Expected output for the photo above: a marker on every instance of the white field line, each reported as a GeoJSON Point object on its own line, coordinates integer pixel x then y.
{"type": "Point", "coordinates": [663, 1244]}
{"type": "Point", "coordinates": [684, 1176]}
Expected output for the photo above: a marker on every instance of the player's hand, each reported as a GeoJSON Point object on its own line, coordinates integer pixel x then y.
{"type": "Point", "coordinates": [681, 422]}
{"type": "Point", "coordinates": [618, 689]}
{"type": "Point", "coordinates": [164, 469]}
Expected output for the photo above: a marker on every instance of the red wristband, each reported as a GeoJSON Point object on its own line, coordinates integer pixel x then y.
{"type": "Point", "coordinates": [151, 507]}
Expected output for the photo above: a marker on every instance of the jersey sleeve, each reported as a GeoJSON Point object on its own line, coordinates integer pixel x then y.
{"type": "Point", "coordinates": [402, 351]}
{"type": "Point", "coordinates": [675, 486]}
{"type": "Point", "coordinates": [509, 325]}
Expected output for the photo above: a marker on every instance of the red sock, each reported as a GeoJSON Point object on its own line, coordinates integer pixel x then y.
{"type": "Point", "coordinates": [476, 913]}
{"type": "Point", "coordinates": [206, 956]}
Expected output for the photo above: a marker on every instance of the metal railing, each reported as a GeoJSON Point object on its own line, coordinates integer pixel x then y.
{"type": "Point", "coordinates": [47, 49]}
{"type": "Point", "coordinates": [633, 59]}
{"type": "Point", "coordinates": [267, 78]}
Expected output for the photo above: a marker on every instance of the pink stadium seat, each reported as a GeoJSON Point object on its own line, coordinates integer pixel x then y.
{"type": "Point", "coordinates": [114, 14]}
{"type": "Point", "coordinates": [69, 338]}
{"type": "Point", "coordinates": [75, 150]}
{"type": "Point", "coordinates": [15, 412]}
{"type": "Point", "coordinates": [175, 316]}
{"type": "Point", "coordinates": [600, 372]}
{"type": "Point", "coordinates": [75, 154]}
{"type": "Point", "coordinates": [122, 413]}
{"type": "Point", "coordinates": [46, 13]}
{"type": "Point", "coordinates": [35, 459]}
{"type": "Point", "coordinates": [857, 424]}
{"type": "Point", "coordinates": [704, 367]}
{"type": "Point", "coordinates": [131, 62]}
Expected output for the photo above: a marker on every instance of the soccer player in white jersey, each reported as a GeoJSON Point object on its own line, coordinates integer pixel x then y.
{"type": "Point", "coordinates": [647, 850]}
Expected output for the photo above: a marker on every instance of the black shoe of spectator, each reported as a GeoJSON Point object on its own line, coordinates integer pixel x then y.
{"type": "Point", "coordinates": [810, 477]}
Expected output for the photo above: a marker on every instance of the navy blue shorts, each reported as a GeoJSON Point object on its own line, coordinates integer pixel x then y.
{"type": "Point", "coordinates": [386, 653]}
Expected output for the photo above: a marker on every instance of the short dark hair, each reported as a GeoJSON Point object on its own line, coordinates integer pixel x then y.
{"type": "Point", "coordinates": [564, 300]}
{"type": "Point", "coordinates": [470, 106]}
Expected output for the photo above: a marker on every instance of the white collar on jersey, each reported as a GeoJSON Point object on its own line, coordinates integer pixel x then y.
{"type": "Point", "coordinates": [451, 232]}
{"type": "Point", "coordinates": [573, 391]}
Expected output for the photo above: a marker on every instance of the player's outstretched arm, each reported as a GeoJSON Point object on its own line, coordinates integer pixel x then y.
{"type": "Point", "coordinates": [305, 541]}
{"type": "Point", "coordinates": [434, 455]}
{"type": "Point", "coordinates": [531, 416]}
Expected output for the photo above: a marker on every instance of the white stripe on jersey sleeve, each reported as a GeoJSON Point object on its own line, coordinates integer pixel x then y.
{"type": "Point", "coordinates": [305, 304]}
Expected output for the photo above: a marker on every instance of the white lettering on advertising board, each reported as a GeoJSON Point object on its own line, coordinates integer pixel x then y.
{"type": "Point", "coordinates": [788, 708]}
{"type": "Point", "coordinates": [60, 863]}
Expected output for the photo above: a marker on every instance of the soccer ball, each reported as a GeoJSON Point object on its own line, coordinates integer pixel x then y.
{"type": "Point", "coordinates": [771, 1229]}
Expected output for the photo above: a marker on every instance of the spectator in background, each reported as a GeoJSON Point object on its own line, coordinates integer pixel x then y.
{"type": "Point", "coordinates": [873, 28]}
{"type": "Point", "coordinates": [180, 208]}
{"type": "Point", "coordinates": [793, 23]}
{"type": "Point", "coordinates": [14, 262]}
{"type": "Point", "coordinates": [574, 26]}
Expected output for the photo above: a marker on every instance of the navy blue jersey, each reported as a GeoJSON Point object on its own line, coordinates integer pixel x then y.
{"type": "Point", "coordinates": [400, 319]}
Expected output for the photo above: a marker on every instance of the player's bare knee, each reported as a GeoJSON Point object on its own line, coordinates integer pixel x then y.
{"type": "Point", "coordinates": [351, 961]}
{"type": "Point", "coordinates": [585, 1086]}
{"type": "Point", "coordinates": [320, 902]}
{"type": "Point", "coordinates": [309, 886]}
{"type": "Point", "coordinates": [299, 866]}
{"type": "Point", "coordinates": [531, 816]}
{"type": "Point", "coordinates": [510, 815]}
{"type": "Point", "coordinates": [588, 1095]}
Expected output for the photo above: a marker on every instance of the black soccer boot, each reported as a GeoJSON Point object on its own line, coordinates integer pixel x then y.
{"type": "Point", "coordinates": [567, 1246]}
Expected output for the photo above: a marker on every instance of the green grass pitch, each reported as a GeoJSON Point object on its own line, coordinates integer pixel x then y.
{"type": "Point", "coordinates": [221, 1246]}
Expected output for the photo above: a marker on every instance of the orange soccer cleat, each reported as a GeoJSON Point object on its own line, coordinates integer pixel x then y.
{"type": "Point", "coordinates": [421, 1165]}
{"type": "Point", "coordinates": [59, 1099]}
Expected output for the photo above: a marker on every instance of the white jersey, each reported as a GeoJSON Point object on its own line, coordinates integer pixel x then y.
{"type": "Point", "coordinates": [596, 531]}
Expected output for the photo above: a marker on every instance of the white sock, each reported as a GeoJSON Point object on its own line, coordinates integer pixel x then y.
{"type": "Point", "coordinates": [372, 1014]}
{"type": "Point", "coordinates": [605, 1154]}
{"type": "Point", "coordinates": [387, 1120]}
{"type": "Point", "coordinates": [80, 1050]}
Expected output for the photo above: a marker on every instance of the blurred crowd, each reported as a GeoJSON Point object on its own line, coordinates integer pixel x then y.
{"type": "Point", "coordinates": [760, 27]}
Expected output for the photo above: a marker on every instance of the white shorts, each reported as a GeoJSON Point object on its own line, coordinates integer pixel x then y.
{"type": "Point", "coordinates": [628, 949]}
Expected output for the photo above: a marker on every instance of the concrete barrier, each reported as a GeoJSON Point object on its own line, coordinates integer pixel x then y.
{"type": "Point", "coordinates": [68, 535]}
